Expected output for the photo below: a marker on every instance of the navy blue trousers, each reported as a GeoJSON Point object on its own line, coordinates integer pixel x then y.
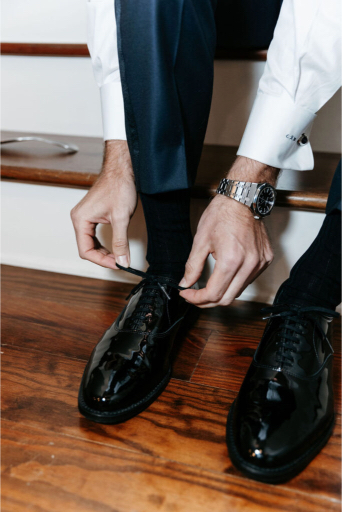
{"type": "Point", "coordinates": [166, 55]}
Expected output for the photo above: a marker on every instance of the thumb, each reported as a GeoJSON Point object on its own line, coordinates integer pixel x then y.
{"type": "Point", "coordinates": [194, 267]}
{"type": "Point", "coordinates": [120, 245]}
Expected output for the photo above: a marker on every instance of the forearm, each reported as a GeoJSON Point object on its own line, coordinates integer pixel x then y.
{"type": "Point", "coordinates": [116, 160]}
{"type": "Point", "coordinates": [246, 169]}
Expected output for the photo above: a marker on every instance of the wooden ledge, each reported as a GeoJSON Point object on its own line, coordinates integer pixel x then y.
{"type": "Point", "coordinates": [81, 50]}
{"type": "Point", "coordinates": [36, 162]}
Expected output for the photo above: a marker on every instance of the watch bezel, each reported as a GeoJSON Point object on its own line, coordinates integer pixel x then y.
{"type": "Point", "coordinates": [259, 189]}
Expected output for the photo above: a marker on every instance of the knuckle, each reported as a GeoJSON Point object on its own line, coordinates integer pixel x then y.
{"type": "Point", "coordinates": [120, 217]}
{"type": "Point", "coordinates": [270, 258]}
{"type": "Point", "coordinates": [262, 263]}
{"type": "Point", "coordinates": [120, 243]}
{"type": "Point", "coordinates": [189, 267]}
{"type": "Point", "coordinates": [73, 214]}
{"type": "Point", "coordinates": [226, 301]}
{"type": "Point", "coordinates": [255, 261]}
{"type": "Point", "coordinates": [214, 297]}
{"type": "Point", "coordinates": [231, 260]}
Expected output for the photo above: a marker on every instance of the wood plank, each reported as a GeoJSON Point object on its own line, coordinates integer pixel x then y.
{"type": "Point", "coordinates": [186, 424]}
{"type": "Point", "coordinates": [226, 359]}
{"type": "Point", "coordinates": [54, 472]}
{"type": "Point", "coordinates": [18, 282]}
{"type": "Point", "coordinates": [41, 391]}
{"type": "Point", "coordinates": [67, 315]}
{"type": "Point", "coordinates": [38, 163]}
{"type": "Point", "coordinates": [241, 318]}
{"type": "Point", "coordinates": [81, 50]}
{"type": "Point", "coordinates": [45, 49]}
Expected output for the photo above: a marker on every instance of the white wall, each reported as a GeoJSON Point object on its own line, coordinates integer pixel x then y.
{"type": "Point", "coordinates": [59, 95]}
{"type": "Point", "coordinates": [46, 21]}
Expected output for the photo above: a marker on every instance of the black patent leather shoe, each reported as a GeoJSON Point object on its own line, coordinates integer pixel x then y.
{"type": "Point", "coordinates": [130, 366]}
{"type": "Point", "coordinates": [284, 412]}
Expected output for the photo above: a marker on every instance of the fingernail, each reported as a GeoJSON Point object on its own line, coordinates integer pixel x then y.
{"type": "Point", "coordinates": [183, 283]}
{"type": "Point", "coordinates": [122, 260]}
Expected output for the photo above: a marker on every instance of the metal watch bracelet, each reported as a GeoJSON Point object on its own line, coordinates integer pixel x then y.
{"type": "Point", "coordinates": [241, 191]}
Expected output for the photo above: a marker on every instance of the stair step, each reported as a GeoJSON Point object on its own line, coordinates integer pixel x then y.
{"type": "Point", "coordinates": [35, 162]}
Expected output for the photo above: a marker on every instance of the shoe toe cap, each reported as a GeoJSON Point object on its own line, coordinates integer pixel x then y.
{"type": "Point", "coordinates": [263, 442]}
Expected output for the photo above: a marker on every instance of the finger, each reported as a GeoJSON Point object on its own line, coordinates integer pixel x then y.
{"type": "Point", "coordinates": [244, 278]}
{"type": "Point", "coordinates": [90, 248]}
{"type": "Point", "coordinates": [194, 266]}
{"type": "Point", "coordinates": [257, 273]}
{"type": "Point", "coordinates": [216, 286]}
{"type": "Point", "coordinates": [120, 245]}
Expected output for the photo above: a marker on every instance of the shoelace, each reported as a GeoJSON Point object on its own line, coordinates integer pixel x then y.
{"type": "Point", "coordinates": [153, 285]}
{"type": "Point", "coordinates": [294, 327]}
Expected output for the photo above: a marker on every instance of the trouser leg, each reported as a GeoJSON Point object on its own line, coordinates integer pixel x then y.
{"type": "Point", "coordinates": [167, 218]}
{"type": "Point", "coordinates": [166, 54]}
{"type": "Point", "coordinates": [316, 277]}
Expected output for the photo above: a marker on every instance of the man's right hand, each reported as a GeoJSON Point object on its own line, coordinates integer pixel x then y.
{"type": "Point", "coordinates": [111, 200]}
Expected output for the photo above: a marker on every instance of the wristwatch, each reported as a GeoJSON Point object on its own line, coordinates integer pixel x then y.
{"type": "Point", "coordinates": [259, 197]}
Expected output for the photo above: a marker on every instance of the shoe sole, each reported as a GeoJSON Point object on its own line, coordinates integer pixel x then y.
{"type": "Point", "coordinates": [278, 474]}
{"type": "Point", "coordinates": [122, 415]}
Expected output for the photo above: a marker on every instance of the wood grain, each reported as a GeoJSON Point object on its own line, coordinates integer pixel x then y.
{"type": "Point", "coordinates": [61, 473]}
{"type": "Point", "coordinates": [45, 49]}
{"type": "Point", "coordinates": [186, 424]}
{"type": "Point", "coordinates": [226, 359]}
{"type": "Point", "coordinates": [35, 162]}
{"type": "Point", "coordinates": [173, 456]}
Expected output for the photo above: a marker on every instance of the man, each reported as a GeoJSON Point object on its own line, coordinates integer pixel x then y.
{"type": "Point", "coordinates": [155, 76]}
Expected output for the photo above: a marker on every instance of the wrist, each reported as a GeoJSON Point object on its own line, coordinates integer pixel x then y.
{"type": "Point", "coordinates": [117, 160]}
{"type": "Point", "coordinates": [246, 169]}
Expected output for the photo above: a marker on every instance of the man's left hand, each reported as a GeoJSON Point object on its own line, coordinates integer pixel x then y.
{"type": "Point", "coordinates": [238, 242]}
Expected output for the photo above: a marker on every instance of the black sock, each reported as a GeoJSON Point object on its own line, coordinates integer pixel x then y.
{"type": "Point", "coordinates": [316, 277]}
{"type": "Point", "coordinates": [167, 217]}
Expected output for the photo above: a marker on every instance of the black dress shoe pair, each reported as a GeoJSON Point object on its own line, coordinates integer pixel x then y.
{"type": "Point", "coordinates": [284, 412]}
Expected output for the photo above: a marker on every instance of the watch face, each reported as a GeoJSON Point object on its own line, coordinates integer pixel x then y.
{"type": "Point", "coordinates": [265, 201]}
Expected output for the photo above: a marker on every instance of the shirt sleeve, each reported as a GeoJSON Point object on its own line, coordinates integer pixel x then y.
{"type": "Point", "coordinates": [102, 44]}
{"type": "Point", "coordinates": [302, 72]}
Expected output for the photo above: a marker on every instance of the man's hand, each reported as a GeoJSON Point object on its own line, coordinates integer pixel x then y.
{"type": "Point", "coordinates": [238, 242]}
{"type": "Point", "coordinates": [111, 200]}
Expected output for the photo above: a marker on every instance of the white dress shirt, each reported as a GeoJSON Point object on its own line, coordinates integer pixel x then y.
{"type": "Point", "coordinates": [302, 72]}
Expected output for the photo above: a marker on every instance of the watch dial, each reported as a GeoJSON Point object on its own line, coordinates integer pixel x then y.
{"type": "Point", "coordinates": [265, 201]}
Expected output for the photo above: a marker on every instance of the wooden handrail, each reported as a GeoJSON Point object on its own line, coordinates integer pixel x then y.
{"type": "Point", "coordinates": [81, 50]}
{"type": "Point", "coordinates": [45, 49]}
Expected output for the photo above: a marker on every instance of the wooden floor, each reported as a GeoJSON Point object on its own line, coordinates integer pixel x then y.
{"type": "Point", "coordinates": [171, 458]}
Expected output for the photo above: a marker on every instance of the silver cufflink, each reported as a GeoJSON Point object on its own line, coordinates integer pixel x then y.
{"type": "Point", "coordinates": [303, 139]}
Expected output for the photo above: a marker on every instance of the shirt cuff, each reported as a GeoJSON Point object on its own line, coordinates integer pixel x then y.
{"type": "Point", "coordinates": [113, 112]}
{"type": "Point", "coordinates": [274, 127]}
